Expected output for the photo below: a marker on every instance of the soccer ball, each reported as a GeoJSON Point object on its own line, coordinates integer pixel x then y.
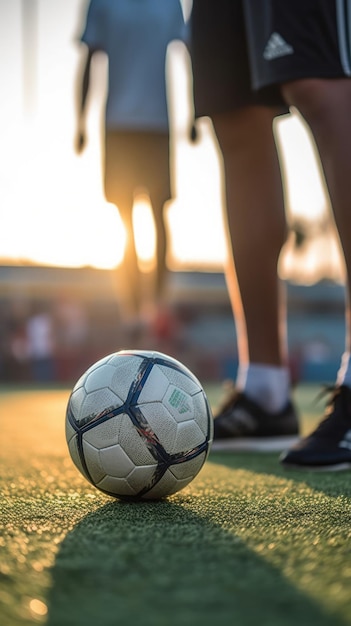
{"type": "Point", "coordinates": [138, 425]}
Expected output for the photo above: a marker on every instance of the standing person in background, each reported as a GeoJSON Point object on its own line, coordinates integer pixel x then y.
{"type": "Point", "coordinates": [41, 343]}
{"type": "Point", "coordinates": [251, 62]}
{"type": "Point", "coordinates": [134, 34]}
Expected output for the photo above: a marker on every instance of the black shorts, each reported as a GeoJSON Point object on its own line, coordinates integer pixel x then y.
{"type": "Point", "coordinates": [242, 50]}
{"type": "Point", "coordinates": [135, 159]}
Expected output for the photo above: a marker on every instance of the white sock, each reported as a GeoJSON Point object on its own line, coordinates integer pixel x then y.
{"type": "Point", "coordinates": [344, 373]}
{"type": "Point", "coordinates": [267, 385]}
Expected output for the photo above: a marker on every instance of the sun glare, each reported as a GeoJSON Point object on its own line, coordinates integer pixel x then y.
{"type": "Point", "coordinates": [306, 193]}
{"type": "Point", "coordinates": [144, 229]}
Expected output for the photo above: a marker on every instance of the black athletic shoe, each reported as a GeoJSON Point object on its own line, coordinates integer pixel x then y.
{"type": "Point", "coordinates": [329, 446]}
{"type": "Point", "coordinates": [241, 424]}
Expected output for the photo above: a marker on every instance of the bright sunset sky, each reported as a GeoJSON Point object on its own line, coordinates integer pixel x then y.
{"type": "Point", "coordinates": [52, 208]}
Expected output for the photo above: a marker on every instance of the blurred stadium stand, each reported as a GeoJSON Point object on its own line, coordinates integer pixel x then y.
{"type": "Point", "coordinates": [197, 327]}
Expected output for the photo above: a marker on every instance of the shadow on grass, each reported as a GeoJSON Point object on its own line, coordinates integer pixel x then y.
{"type": "Point", "coordinates": [161, 564]}
{"type": "Point", "coordinates": [333, 484]}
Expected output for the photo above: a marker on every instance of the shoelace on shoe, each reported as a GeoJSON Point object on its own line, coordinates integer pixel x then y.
{"type": "Point", "coordinates": [338, 394]}
{"type": "Point", "coordinates": [232, 394]}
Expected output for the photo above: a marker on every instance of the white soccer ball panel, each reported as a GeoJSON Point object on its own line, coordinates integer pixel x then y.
{"type": "Point", "coordinates": [76, 400]}
{"type": "Point", "coordinates": [188, 469]}
{"type": "Point", "coordinates": [80, 382]}
{"type": "Point", "coordinates": [134, 444]}
{"type": "Point", "coordinates": [116, 486]}
{"type": "Point", "coordinates": [188, 382]}
{"type": "Point", "coordinates": [155, 386]}
{"type": "Point", "coordinates": [93, 463]}
{"type": "Point", "coordinates": [202, 414]}
{"type": "Point", "coordinates": [141, 476]}
{"type": "Point", "coordinates": [106, 433]}
{"type": "Point", "coordinates": [129, 362]}
{"type": "Point", "coordinates": [73, 450]}
{"type": "Point", "coordinates": [115, 461]}
{"type": "Point", "coordinates": [165, 486]}
{"type": "Point", "coordinates": [188, 436]}
{"type": "Point", "coordinates": [172, 361]}
{"type": "Point", "coordinates": [179, 404]}
{"type": "Point", "coordinates": [99, 378]}
{"type": "Point", "coordinates": [93, 366]}
{"type": "Point", "coordinates": [125, 373]}
{"type": "Point", "coordinates": [161, 423]}
{"type": "Point", "coordinates": [111, 359]}
{"type": "Point", "coordinates": [70, 432]}
{"type": "Point", "coordinates": [86, 407]}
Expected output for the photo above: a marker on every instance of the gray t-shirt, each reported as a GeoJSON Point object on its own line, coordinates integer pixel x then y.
{"type": "Point", "coordinates": [135, 35]}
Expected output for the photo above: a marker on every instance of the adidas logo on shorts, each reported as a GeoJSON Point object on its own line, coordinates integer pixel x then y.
{"type": "Point", "coordinates": [276, 47]}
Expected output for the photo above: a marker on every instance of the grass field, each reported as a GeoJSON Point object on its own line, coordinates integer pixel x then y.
{"type": "Point", "coordinates": [247, 543]}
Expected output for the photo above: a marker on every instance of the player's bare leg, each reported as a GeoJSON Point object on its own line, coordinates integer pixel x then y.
{"type": "Point", "coordinates": [325, 105]}
{"type": "Point", "coordinates": [161, 270]}
{"type": "Point", "coordinates": [130, 280]}
{"type": "Point", "coordinates": [256, 232]}
{"type": "Point", "coordinates": [259, 414]}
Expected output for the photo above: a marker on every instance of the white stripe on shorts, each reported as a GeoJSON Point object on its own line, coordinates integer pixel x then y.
{"type": "Point", "coordinates": [343, 16]}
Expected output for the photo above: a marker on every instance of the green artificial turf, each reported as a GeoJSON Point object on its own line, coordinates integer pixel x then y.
{"type": "Point", "coordinates": [247, 543]}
